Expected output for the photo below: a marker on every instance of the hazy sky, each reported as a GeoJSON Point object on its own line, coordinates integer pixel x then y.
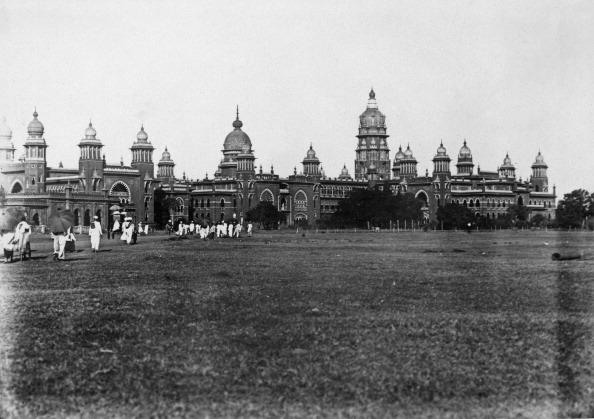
{"type": "Point", "coordinates": [513, 77]}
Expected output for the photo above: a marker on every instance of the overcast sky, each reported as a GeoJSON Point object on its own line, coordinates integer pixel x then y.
{"type": "Point", "coordinates": [513, 77]}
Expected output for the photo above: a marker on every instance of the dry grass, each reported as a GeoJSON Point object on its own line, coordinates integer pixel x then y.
{"type": "Point", "coordinates": [326, 325]}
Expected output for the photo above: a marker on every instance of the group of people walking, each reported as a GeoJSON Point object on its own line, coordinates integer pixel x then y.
{"type": "Point", "coordinates": [232, 229]}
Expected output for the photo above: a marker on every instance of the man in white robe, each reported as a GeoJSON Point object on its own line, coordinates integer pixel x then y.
{"type": "Point", "coordinates": [95, 232]}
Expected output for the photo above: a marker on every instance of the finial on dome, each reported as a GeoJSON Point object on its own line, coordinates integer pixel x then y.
{"type": "Point", "coordinates": [441, 143]}
{"type": "Point", "coordinates": [237, 124]}
{"type": "Point", "coordinates": [465, 141]}
{"type": "Point", "coordinates": [35, 114]}
{"type": "Point", "coordinates": [371, 94]}
{"type": "Point", "coordinates": [237, 112]}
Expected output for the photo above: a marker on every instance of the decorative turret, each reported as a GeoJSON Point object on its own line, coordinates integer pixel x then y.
{"type": "Point", "coordinates": [142, 160]}
{"type": "Point", "coordinates": [344, 174]}
{"type": "Point", "coordinates": [539, 179]}
{"type": "Point", "coordinates": [507, 169]}
{"type": "Point", "coordinates": [372, 147]}
{"type": "Point", "coordinates": [90, 164]}
{"type": "Point", "coordinates": [35, 158]}
{"type": "Point", "coordinates": [465, 165]}
{"type": "Point", "coordinates": [408, 164]}
{"type": "Point", "coordinates": [441, 161]}
{"type": "Point", "coordinates": [6, 146]}
{"type": "Point", "coordinates": [311, 163]}
{"type": "Point", "coordinates": [165, 166]}
{"type": "Point", "coordinates": [397, 159]}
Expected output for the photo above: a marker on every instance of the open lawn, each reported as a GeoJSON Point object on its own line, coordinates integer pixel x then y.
{"type": "Point", "coordinates": [437, 324]}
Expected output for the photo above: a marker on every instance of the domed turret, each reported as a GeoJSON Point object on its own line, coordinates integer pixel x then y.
{"type": "Point", "coordinates": [507, 169]}
{"type": "Point", "coordinates": [6, 146]}
{"type": "Point", "coordinates": [142, 153]}
{"type": "Point", "coordinates": [441, 160]}
{"type": "Point", "coordinates": [408, 164]}
{"type": "Point", "coordinates": [399, 154]}
{"type": "Point", "coordinates": [238, 156]}
{"type": "Point", "coordinates": [311, 163]}
{"type": "Point", "coordinates": [35, 127]}
{"type": "Point", "coordinates": [465, 165]}
{"type": "Point", "coordinates": [90, 145]}
{"type": "Point", "coordinates": [165, 165]}
{"type": "Point", "coordinates": [90, 132]}
{"type": "Point", "coordinates": [539, 179]}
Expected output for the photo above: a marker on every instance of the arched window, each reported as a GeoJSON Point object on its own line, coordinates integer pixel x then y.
{"type": "Point", "coordinates": [266, 195]}
{"type": "Point", "coordinates": [520, 201]}
{"type": "Point", "coordinates": [179, 205]}
{"type": "Point", "coordinates": [471, 203]}
{"type": "Point", "coordinates": [222, 203]}
{"type": "Point", "coordinates": [17, 188]}
{"type": "Point", "coordinates": [208, 203]}
{"type": "Point", "coordinates": [477, 203]}
{"type": "Point", "coordinates": [98, 214]}
{"type": "Point", "coordinates": [300, 201]}
{"type": "Point", "coordinates": [202, 203]}
{"type": "Point", "coordinates": [76, 217]}
{"type": "Point", "coordinates": [36, 219]}
{"type": "Point", "coordinates": [87, 218]}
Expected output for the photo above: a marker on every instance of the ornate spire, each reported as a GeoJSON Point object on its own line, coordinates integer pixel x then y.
{"type": "Point", "coordinates": [237, 124]}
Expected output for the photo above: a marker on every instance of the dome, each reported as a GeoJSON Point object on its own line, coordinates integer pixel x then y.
{"type": "Point", "coordinates": [465, 152]}
{"type": "Point", "coordinates": [90, 132]}
{"type": "Point", "coordinates": [539, 161]}
{"type": "Point", "coordinates": [507, 161]}
{"type": "Point", "coordinates": [237, 140]}
{"type": "Point", "coordinates": [408, 153]}
{"type": "Point", "coordinates": [372, 117]}
{"type": "Point", "coordinates": [399, 154]}
{"type": "Point", "coordinates": [166, 156]}
{"type": "Point", "coordinates": [142, 136]}
{"type": "Point", "coordinates": [35, 127]}
{"type": "Point", "coordinates": [344, 173]}
{"type": "Point", "coordinates": [441, 150]}
{"type": "Point", "coordinates": [5, 131]}
{"type": "Point", "coordinates": [311, 154]}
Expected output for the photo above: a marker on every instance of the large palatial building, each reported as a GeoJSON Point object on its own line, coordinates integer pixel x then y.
{"type": "Point", "coordinates": [32, 187]}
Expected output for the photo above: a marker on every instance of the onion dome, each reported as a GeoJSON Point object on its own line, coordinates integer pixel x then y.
{"type": "Point", "coordinates": [142, 136]}
{"type": "Point", "coordinates": [35, 127]}
{"type": "Point", "coordinates": [399, 154]}
{"type": "Point", "coordinates": [237, 140]}
{"type": "Point", "coordinates": [5, 131]}
{"type": "Point", "coordinates": [90, 132]}
{"type": "Point", "coordinates": [539, 161]}
{"type": "Point", "coordinates": [465, 153]}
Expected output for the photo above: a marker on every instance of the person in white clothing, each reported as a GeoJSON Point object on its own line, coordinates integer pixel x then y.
{"type": "Point", "coordinates": [140, 230]}
{"type": "Point", "coordinates": [237, 230]}
{"type": "Point", "coordinates": [127, 230]}
{"type": "Point", "coordinates": [22, 234]}
{"type": "Point", "coordinates": [249, 229]}
{"type": "Point", "coordinates": [146, 229]}
{"type": "Point", "coordinates": [95, 232]}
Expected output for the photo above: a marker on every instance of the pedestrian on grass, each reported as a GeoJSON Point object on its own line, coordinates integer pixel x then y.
{"type": "Point", "coordinates": [95, 232]}
{"type": "Point", "coordinates": [22, 234]}
{"type": "Point", "coordinates": [249, 229]}
{"type": "Point", "coordinates": [8, 244]}
{"type": "Point", "coordinates": [116, 228]}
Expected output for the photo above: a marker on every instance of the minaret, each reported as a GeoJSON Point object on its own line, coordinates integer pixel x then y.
{"type": "Point", "coordinates": [539, 179]}
{"type": "Point", "coordinates": [372, 148]}
{"type": "Point", "coordinates": [90, 163]}
{"type": "Point", "coordinates": [6, 146]}
{"type": "Point", "coordinates": [35, 158]}
{"type": "Point", "coordinates": [311, 164]}
{"type": "Point", "coordinates": [441, 161]}
{"type": "Point", "coordinates": [465, 165]}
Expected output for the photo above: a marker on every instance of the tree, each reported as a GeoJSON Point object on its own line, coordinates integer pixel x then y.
{"type": "Point", "coordinates": [574, 209]}
{"type": "Point", "coordinates": [365, 207]}
{"type": "Point", "coordinates": [518, 215]}
{"type": "Point", "coordinates": [266, 214]}
{"type": "Point", "coordinates": [454, 216]}
{"type": "Point", "coordinates": [162, 206]}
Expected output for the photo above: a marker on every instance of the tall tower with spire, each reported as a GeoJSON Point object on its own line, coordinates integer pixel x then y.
{"type": "Point", "coordinates": [165, 167]}
{"type": "Point", "coordinates": [465, 165]}
{"type": "Point", "coordinates": [372, 148]}
{"type": "Point", "coordinates": [90, 163]}
{"type": "Point", "coordinates": [35, 158]}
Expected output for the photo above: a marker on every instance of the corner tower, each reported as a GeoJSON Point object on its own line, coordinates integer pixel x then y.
{"type": "Point", "coordinates": [372, 148]}
{"type": "Point", "coordinates": [311, 164]}
{"type": "Point", "coordinates": [90, 163]}
{"type": "Point", "coordinates": [465, 165]}
{"type": "Point", "coordinates": [539, 178]}
{"type": "Point", "coordinates": [142, 154]}
{"type": "Point", "coordinates": [165, 167]}
{"type": "Point", "coordinates": [238, 156]}
{"type": "Point", "coordinates": [35, 158]}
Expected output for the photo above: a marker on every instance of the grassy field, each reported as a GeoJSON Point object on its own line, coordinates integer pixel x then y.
{"type": "Point", "coordinates": [437, 324]}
